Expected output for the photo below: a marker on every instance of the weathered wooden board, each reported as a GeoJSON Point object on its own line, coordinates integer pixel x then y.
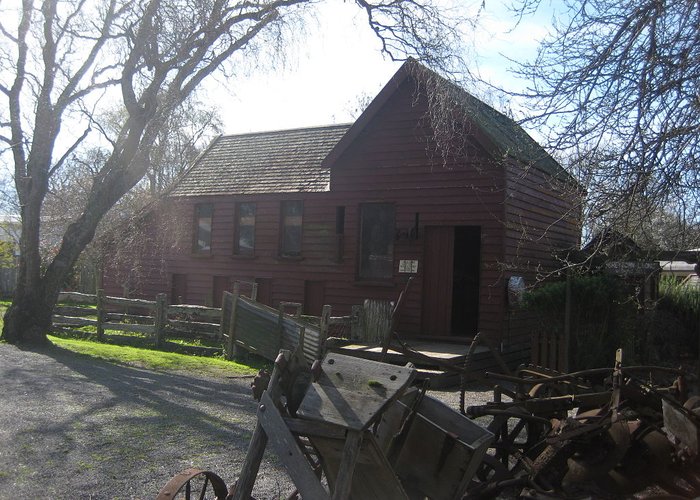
{"type": "Point", "coordinates": [257, 329]}
{"type": "Point", "coordinates": [372, 475]}
{"type": "Point", "coordinates": [352, 392]}
{"type": "Point", "coordinates": [73, 321]}
{"type": "Point", "coordinates": [82, 298]}
{"type": "Point", "coordinates": [119, 301]}
{"type": "Point", "coordinates": [200, 311]}
{"type": "Point", "coordinates": [74, 311]}
{"type": "Point", "coordinates": [287, 449]}
{"type": "Point", "coordinates": [125, 327]}
{"type": "Point", "coordinates": [130, 318]}
{"type": "Point", "coordinates": [311, 347]}
{"type": "Point", "coordinates": [197, 326]}
{"type": "Point", "coordinates": [441, 450]}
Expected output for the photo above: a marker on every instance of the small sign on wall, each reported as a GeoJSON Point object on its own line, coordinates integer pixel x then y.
{"type": "Point", "coordinates": [408, 266]}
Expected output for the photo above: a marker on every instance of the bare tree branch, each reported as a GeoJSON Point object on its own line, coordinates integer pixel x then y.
{"type": "Point", "coordinates": [616, 87]}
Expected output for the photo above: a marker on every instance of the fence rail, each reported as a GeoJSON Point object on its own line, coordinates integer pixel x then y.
{"type": "Point", "coordinates": [152, 318]}
{"type": "Point", "coordinates": [241, 322]}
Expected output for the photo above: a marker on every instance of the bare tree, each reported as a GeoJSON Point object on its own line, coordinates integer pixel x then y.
{"type": "Point", "coordinates": [188, 130]}
{"type": "Point", "coordinates": [185, 134]}
{"type": "Point", "coordinates": [616, 84]}
{"type": "Point", "coordinates": [64, 61]}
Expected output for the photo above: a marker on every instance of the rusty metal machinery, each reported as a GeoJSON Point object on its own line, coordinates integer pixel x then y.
{"type": "Point", "coordinates": [350, 428]}
{"type": "Point", "coordinates": [598, 433]}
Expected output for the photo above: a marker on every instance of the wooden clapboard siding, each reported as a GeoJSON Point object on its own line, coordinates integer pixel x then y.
{"type": "Point", "coordinates": [542, 216]}
{"type": "Point", "coordinates": [390, 156]}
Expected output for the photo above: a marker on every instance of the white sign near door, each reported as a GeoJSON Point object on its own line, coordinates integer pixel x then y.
{"type": "Point", "coordinates": [408, 266]}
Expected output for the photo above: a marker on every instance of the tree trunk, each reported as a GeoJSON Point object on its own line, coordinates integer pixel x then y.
{"type": "Point", "coordinates": [28, 319]}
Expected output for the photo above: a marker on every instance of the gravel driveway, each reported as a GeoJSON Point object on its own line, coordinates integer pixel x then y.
{"type": "Point", "coordinates": [78, 428]}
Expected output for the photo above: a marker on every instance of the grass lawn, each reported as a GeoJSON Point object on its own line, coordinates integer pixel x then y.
{"type": "Point", "coordinates": [149, 358]}
{"type": "Point", "coordinates": [154, 359]}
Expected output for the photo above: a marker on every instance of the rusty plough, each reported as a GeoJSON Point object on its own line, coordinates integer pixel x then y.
{"type": "Point", "coordinates": [596, 433]}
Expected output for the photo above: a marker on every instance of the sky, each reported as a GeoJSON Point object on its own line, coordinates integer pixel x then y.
{"type": "Point", "coordinates": [340, 60]}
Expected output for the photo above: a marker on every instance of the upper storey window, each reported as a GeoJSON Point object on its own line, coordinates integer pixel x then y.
{"type": "Point", "coordinates": [290, 228]}
{"type": "Point", "coordinates": [204, 213]}
{"type": "Point", "coordinates": [244, 242]}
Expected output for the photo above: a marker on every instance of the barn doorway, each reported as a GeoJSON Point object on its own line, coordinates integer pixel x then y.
{"type": "Point", "coordinates": [452, 263]}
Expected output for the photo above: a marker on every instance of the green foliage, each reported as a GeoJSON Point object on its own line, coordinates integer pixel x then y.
{"type": "Point", "coordinates": [7, 254]}
{"type": "Point", "coordinates": [676, 323]}
{"type": "Point", "coordinates": [603, 317]}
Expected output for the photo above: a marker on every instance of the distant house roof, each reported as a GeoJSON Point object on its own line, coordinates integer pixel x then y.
{"type": "Point", "coordinates": [613, 244]}
{"type": "Point", "coordinates": [285, 161]}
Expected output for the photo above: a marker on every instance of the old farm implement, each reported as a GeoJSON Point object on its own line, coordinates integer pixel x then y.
{"type": "Point", "coordinates": [354, 428]}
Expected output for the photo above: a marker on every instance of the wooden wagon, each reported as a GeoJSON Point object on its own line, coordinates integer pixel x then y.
{"type": "Point", "coordinates": [350, 428]}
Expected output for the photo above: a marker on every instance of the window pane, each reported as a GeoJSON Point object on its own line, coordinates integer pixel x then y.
{"type": "Point", "coordinates": [203, 227]}
{"type": "Point", "coordinates": [245, 228]}
{"type": "Point", "coordinates": [377, 241]}
{"type": "Point", "coordinates": [291, 228]}
{"type": "Point", "coordinates": [246, 239]}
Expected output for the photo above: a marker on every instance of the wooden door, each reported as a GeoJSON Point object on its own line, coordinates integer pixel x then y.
{"type": "Point", "coordinates": [178, 290]}
{"type": "Point", "coordinates": [437, 280]}
{"type": "Point", "coordinates": [314, 295]}
{"type": "Point", "coordinates": [264, 291]}
{"type": "Point", "coordinates": [221, 284]}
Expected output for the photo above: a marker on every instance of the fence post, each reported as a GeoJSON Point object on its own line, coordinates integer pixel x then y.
{"type": "Point", "coordinates": [159, 319]}
{"type": "Point", "coordinates": [231, 348]}
{"type": "Point", "coordinates": [357, 330]}
{"type": "Point", "coordinates": [225, 314]}
{"type": "Point", "coordinates": [100, 303]}
{"type": "Point", "coordinates": [565, 348]}
{"type": "Point", "coordinates": [324, 324]}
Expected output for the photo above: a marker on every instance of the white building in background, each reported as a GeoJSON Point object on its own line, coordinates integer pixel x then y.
{"type": "Point", "coordinates": [686, 272]}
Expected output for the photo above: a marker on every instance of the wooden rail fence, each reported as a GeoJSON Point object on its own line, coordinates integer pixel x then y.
{"type": "Point", "coordinates": [153, 318]}
{"type": "Point", "coordinates": [241, 322]}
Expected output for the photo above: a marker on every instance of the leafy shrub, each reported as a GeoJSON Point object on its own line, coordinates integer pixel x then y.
{"type": "Point", "coordinates": [674, 331]}
{"type": "Point", "coordinates": [603, 317]}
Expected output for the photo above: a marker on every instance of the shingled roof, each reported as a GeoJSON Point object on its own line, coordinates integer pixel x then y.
{"type": "Point", "coordinates": [284, 161]}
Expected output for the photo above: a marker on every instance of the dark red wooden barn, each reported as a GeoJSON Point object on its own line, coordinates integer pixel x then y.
{"type": "Point", "coordinates": [429, 182]}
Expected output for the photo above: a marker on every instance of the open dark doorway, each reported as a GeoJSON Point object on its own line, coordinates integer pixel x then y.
{"type": "Point", "coordinates": [465, 280]}
{"type": "Point", "coordinates": [452, 262]}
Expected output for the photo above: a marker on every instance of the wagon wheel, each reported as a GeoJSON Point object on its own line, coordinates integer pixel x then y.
{"type": "Point", "coordinates": [194, 484]}
{"type": "Point", "coordinates": [549, 390]}
{"type": "Point", "coordinates": [518, 438]}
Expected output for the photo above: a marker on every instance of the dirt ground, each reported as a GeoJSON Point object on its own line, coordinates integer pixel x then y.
{"type": "Point", "coordinates": [76, 428]}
